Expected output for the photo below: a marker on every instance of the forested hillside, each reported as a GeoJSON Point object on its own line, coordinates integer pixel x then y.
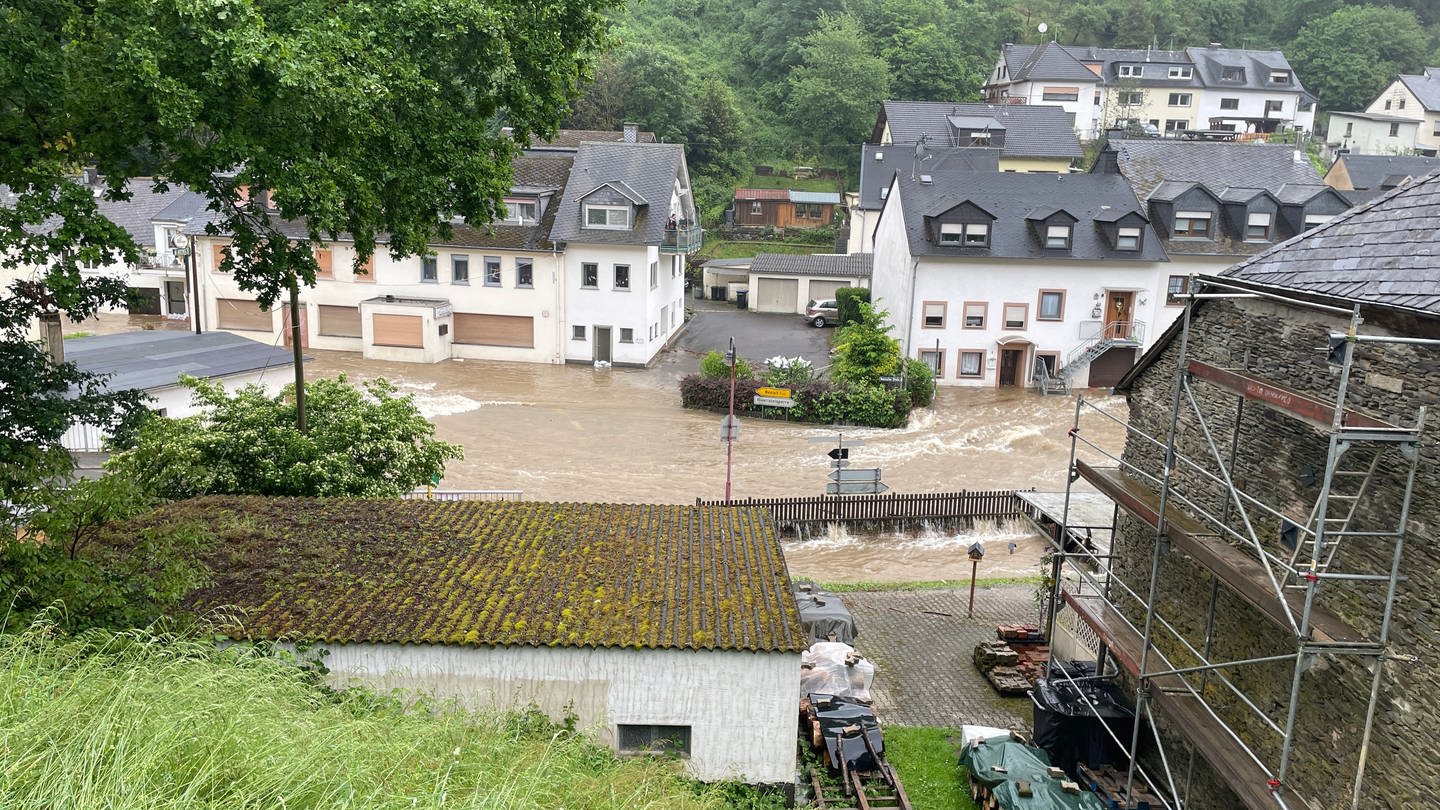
{"type": "Point", "coordinates": [787, 81]}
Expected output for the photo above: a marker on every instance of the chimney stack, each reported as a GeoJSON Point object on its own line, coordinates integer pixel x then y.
{"type": "Point", "coordinates": [632, 133]}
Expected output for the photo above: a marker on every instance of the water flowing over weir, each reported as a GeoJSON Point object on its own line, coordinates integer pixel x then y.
{"type": "Point", "coordinates": [574, 433]}
{"type": "Point", "coordinates": [834, 552]}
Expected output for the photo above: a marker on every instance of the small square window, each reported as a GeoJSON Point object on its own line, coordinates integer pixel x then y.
{"type": "Point", "coordinates": [951, 233]}
{"type": "Point", "coordinates": [324, 263]}
{"type": "Point", "coordinates": [1052, 306]}
{"type": "Point", "coordinates": [934, 359]}
{"type": "Point", "coordinates": [975, 314]}
{"type": "Point", "coordinates": [520, 211]}
{"type": "Point", "coordinates": [1016, 316]}
{"type": "Point", "coordinates": [1274, 105]}
{"type": "Point", "coordinates": [492, 271]}
{"type": "Point", "coordinates": [577, 333]}
{"type": "Point", "coordinates": [1127, 239]}
{"type": "Point", "coordinates": [607, 216]}
{"type": "Point", "coordinates": [1311, 220]}
{"type": "Point", "coordinates": [634, 739]}
{"type": "Point", "coordinates": [590, 275]}
{"type": "Point", "coordinates": [622, 276]}
{"type": "Point", "coordinates": [1180, 72]}
{"type": "Point", "coordinates": [934, 317]}
{"type": "Point", "coordinates": [1132, 98]}
{"type": "Point", "coordinates": [1132, 71]}
{"type": "Point", "coordinates": [972, 364]}
{"type": "Point", "coordinates": [627, 335]}
{"type": "Point", "coordinates": [1232, 74]}
{"type": "Point", "coordinates": [1257, 227]}
{"type": "Point", "coordinates": [1280, 76]}
{"type": "Point", "coordinates": [460, 269]}
{"type": "Point", "coordinates": [524, 272]}
{"type": "Point", "coordinates": [755, 208]}
{"type": "Point", "coordinates": [1057, 236]}
{"type": "Point", "coordinates": [428, 269]}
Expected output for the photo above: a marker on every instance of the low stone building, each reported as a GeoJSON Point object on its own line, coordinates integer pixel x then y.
{"type": "Point", "coordinates": [1304, 487]}
{"type": "Point", "coordinates": [659, 628]}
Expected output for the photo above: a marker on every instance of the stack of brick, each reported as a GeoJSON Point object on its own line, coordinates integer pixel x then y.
{"type": "Point", "coordinates": [998, 663]}
{"type": "Point", "coordinates": [1032, 653]}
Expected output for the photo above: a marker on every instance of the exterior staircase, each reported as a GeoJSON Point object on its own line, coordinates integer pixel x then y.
{"type": "Point", "coordinates": [1104, 338]}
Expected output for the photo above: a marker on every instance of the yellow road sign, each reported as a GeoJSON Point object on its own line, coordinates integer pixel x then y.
{"type": "Point", "coordinates": [778, 393]}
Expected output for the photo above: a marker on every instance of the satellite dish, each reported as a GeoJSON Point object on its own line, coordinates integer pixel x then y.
{"type": "Point", "coordinates": [1042, 28]}
{"type": "Point", "coordinates": [177, 240]}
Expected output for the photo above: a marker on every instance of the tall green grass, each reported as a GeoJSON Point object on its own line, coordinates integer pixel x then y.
{"type": "Point", "coordinates": [142, 720]}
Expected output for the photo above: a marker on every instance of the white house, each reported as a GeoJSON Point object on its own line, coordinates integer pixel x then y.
{"type": "Point", "coordinates": [1047, 74]}
{"type": "Point", "coordinates": [990, 277]}
{"type": "Point", "coordinates": [1415, 97]}
{"type": "Point", "coordinates": [659, 627]}
{"type": "Point", "coordinates": [1367, 133]}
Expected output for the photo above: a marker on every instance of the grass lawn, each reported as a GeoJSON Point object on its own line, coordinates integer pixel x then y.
{"type": "Point", "coordinates": [926, 760]}
{"type": "Point", "coordinates": [781, 181]}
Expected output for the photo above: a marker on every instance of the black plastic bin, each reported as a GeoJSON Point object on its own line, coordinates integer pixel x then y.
{"type": "Point", "coordinates": [717, 293]}
{"type": "Point", "coordinates": [1070, 731]}
{"type": "Point", "coordinates": [742, 299]}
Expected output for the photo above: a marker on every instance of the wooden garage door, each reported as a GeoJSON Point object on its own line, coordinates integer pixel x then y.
{"type": "Point", "coordinates": [339, 321]}
{"type": "Point", "coordinates": [238, 313]}
{"type": "Point", "coordinates": [1108, 368]}
{"type": "Point", "coordinates": [399, 330]}
{"type": "Point", "coordinates": [777, 295]}
{"type": "Point", "coordinates": [495, 330]}
{"type": "Point", "coordinates": [820, 289]}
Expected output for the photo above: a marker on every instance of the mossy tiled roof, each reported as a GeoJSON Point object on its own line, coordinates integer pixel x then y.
{"type": "Point", "coordinates": [486, 573]}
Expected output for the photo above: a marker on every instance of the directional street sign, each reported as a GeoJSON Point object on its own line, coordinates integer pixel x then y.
{"type": "Point", "coordinates": [891, 379]}
{"type": "Point", "coordinates": [776, 393]}
{"type": "Point", "coordinates": [777, 402]}
{"type": "Point", "coordinates": [839, 453]}
{"type": "Point", "coordinates": [729, 429]}
{"type": "Point", "coordinates": [857, 474]}
{"type": "Point", "coordinates": [855, 488]}
{"type": "Point", "coordinates": [839, 463]}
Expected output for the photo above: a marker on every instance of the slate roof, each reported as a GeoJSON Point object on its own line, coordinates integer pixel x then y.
{"type": "Point", "coordinates": [875, 173]}
{"type": "Point", "coordinates": [854, 265]}
{"type": "Point", "coordinates": [1146, 163]}
{"type": "Point", "coordinates": [155, 359]}
{"type": "Point", "coordinates": [134, 214]}
{"type": "Point", "coordinates": [1375, 171]}
{"type": "Point", "coordinates": [1207, 64]}
{"type": "Point", "coordinates": [1258, 65]}
{"type": "Point", "coordinates": [649, 169]}
{"type": "Point", "coordinates": [1386, 252]}
{"type": "Point", "coordinates": [1031, 130]}
{"type": "Point", "coordinates": [1044, 62]}
{"type": "Point", "coordinates": [481, 574]}
{"type": "Point", "coordinates": [1011, 197]}
{"type": "Point", "coordinates": [1426, 87]}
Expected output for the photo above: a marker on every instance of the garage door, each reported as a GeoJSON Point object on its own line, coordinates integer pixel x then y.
{"type": "Point", "coordinates": [821, 289]}
{"type": "Point", "coordinates": [238, 313]}
{"type": "Point", "coordinates": [1108, 368]}
{"type": "Point", "coordinates": [339, 321]}
{"type": "Point", "coordinates": [777, 295]}
{"type": "Point", "coordinates": [399, 330]}
{"type": "Point", "coordinates": [495, 330]}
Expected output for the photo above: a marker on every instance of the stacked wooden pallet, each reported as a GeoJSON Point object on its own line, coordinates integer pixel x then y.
{"type": "Point", "coordinates": [1109, 785]}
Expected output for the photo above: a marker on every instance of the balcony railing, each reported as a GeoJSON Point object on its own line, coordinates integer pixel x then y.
{"type": "Point", "coordinates": [682, 238]}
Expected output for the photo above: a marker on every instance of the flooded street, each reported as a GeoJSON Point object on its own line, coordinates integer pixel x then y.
{"type": "Point", "coordinates": [574, 433]}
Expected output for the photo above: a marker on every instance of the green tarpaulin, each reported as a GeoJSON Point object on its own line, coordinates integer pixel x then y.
{"type": "Point", "coordinates": [1026, 763]}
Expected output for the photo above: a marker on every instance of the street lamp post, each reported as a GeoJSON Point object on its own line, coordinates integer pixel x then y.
{"type": "Point", "coordinates": [730, 432]}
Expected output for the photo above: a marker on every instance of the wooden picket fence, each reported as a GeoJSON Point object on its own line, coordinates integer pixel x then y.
{"type": "Point", "coordinates": [891, 506]}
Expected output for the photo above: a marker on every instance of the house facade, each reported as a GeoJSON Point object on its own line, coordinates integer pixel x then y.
{"type": "Point", "coordinates": [1211, 88]}
{"type": "Point", "coordinates": [992, 277]}
{"type": "Point", "coordinates": [660, 628]}
{"type": "Point", "coordinates": [1262, 373]}
{"type": "Point", "coordinates": [783, 208]}
{"type": "Point", "coordinates": [1365, 133]}
{"type": "Point", "coordinates": [1417, 98]}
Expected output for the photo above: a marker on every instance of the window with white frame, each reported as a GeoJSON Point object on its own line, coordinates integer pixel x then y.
{"type": "Point", "coordinates": [1051, 306]}
{"type": "Point", "coordinates": [1280, 76]}
{"type": "Point", "coordinates": [1436, 131]}
{"type": "Point", "coordinates": [1191, 224]}
{"type": "Point", "coordinates": [622, 276]}
{"type": "Point", "coordinates": [524, 272]}
{"type": "Point", "coordinates": [1132, 71]}
{"type": "Point", "coordinates": [1016, 316]}
{"type": "Point", "coordinates": [1176, 125]}
{"type": "Point", "coordinates": [934, 317]}
{"type": "Point", "coordinates": [1257, 227]}
{"type": "Point", "coordinates": [1181, 72]}
{"type": "Point", "coordinates": [607, 216]}
{"type": "Point", "coordinates": [590, 275]}
{"type": "Point", "coordinates": [977, 234]}
{"type": "Point", "coordinates": [1127, 239]}
{"type": "Point", "coordinates": [951, 233]}
{"type": "Point", "coordinates": [934, 359]}
{"type": "Point", "coordinates": [492, 271]}
{"type": "Point", "coordinates": [972, 364]}
{"type": "Point", "coordinates": [1311, 220]}
{"type": "Point", "coordinates": [460, 269]}
{"type": "Point", "coordinates": [577, 332]}
{"type": "Point", "coordinates": [1057, 236]}
{"type": "Point", "coordinates": [654, 275]}
{"type": "Point", "coordinates": [975, 314]}
{"type": "Point", "coordinates": [521, 211]}
{"type": "Point", "coordinates": [1180, 99]}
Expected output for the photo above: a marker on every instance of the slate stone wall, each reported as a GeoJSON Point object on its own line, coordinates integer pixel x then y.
{"type": "Point", "coordinates": [1280, 462]}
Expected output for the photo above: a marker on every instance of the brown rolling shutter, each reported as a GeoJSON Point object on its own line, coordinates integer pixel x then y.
{"type": "Point", "coordinates": [220, 251]}
{"type": "Point", "coordinates": [368, 277]}
{"type": "Point", "coordinates": [495, 330]}
{"type": "Point", "coordinates": [324, 263]}
{"type": "Point", "coordinates": [238, 313]}
{"type": "Point", "coordinates": [339, 321]}
{"type": "Point", "coordinates": [399, 330]}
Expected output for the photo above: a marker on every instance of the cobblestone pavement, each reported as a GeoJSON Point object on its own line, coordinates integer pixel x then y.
{"type": "Point", "coordinates": [922, 646]}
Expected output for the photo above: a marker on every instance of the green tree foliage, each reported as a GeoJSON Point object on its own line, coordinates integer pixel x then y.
{"type": "Point", "coordinates": [919, 383]}
{"type": "Point", "coordinates": [644, 82]}
{"type": "Point", "coordinates": [836, 89]}
{"type": "Point", "coordinates": [362, 442]}
{"type": "Point", "coordinates": [1348, 56]}
{"type": "Point", "coordinates": [714, 367]}
{"type": "Point", "coordinates": [864, 350]}
{"type": "Point", "coordinates": [848, 301]}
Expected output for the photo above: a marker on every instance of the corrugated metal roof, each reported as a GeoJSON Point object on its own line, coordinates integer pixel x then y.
{"type": "Point", "coordinates": [476, 574]}
{"type": "Point", "coordinates": [822, 197]}
{"type": "Point", "coordinates": [147, 360]}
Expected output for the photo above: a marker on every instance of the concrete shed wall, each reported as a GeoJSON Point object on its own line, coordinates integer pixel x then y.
{"type": "Point", "coordinates": [740, 706]}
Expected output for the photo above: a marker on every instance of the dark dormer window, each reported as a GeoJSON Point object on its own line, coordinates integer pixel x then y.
{"type": "Point", "coordinates": [1058, 237]}
{"type": "Point", "coordinates": [1181, 72]}
{"type": "Point", "coordinates": [1232, 74]}
{"type": "Point", "coordinates": [1257, 227]}
{"type": "Point", "coordinates": [1280, 76]}
{"type": "Point", "coordinates": [1192, 224]}
{"type": "Point", "coordinates": [1127, 239]}
{"type": "Point", "coordinates": [607, 216]}
{"type": "Point", "coordinates": [1132, 71]}
{"type": "Point", "coordinates": [969, 234]}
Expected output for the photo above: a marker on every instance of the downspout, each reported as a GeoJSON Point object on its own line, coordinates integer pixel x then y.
{"type": "Point", "coordinates": [910, 306]}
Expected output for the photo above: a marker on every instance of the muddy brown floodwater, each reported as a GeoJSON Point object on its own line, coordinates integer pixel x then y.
{"type": "Point", "coordinates": [574, 433]}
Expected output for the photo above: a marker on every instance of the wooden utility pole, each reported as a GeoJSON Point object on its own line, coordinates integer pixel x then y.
{"type": "Point", "coordinates": [299, 355]}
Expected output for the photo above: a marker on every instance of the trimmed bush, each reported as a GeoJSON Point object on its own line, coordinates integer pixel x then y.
{"type": "Point", "coordinates": [713, 366]}
{"type": "Point", "coordinates": [919, 383]}
{"type": "Point", "coordinates": [848, 301]}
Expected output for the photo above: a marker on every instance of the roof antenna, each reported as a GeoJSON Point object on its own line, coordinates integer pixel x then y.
{"type": "Point", "coordinates": [922, 152]}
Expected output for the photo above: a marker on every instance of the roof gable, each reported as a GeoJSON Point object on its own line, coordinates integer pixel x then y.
{"type": "Point", "coordinates": [473, 573]}
{"type": "Point", "coordinates": [1425, 87]}
{"type": "Point", "coordinates": [1031, 130]}
{"type": "Point", "coordinates": [646, 174]}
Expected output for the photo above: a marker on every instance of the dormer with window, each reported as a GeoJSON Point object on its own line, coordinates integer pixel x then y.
{"type": "Point", "coordinates": [611, 206]}
{"type": "Point", "coordinates": [1123, 230]}
{"type": "Point", "coordinates": [522, 210]}
{"type": "Point", "coordinates": [1054, 227]}
{"type": "Point", "coordinates": [1252, 215]}
{"type": "Point", "coordinates": [1186, 211]}
{"type": "Point", "coordinates": [966, 225]}
{"type": "Point", "coordinates": [1180, 72]}
{"type": "Point", "coordinates": [1280, 77]}
{"type": "Point", "coordinates": [1132, 71]}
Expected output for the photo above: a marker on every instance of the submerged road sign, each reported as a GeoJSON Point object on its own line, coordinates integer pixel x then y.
{"type": "Point", "coordinates": [776, 402]}
{"type": "Point", "coordinates": [857, 474]}
{"type": "Point", "coordinates": [855, 488]}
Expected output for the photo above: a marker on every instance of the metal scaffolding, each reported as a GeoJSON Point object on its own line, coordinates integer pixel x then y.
{"type": "Point", "coordinates": [1279, 574]}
